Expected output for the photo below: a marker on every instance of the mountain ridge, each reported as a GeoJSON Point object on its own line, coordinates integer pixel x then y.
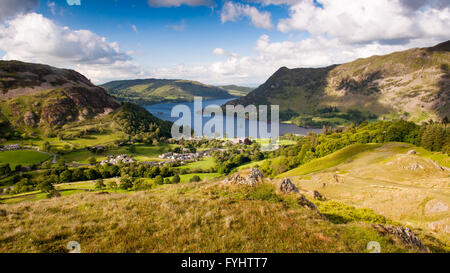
{"type": "Point", "coordinates": [153, 91]}
{"type": "Point", "coordinates": [412, 84]}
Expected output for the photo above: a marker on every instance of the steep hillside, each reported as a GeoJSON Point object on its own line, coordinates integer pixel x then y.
{"type": "Point", "coordinates": [40, 100]}
{"type": "Point", "coordinates": [413, 84]}
{"type": "Point", "coordinates": [40, 96]}
{"type": "Point", "coordinates": [152, 91]}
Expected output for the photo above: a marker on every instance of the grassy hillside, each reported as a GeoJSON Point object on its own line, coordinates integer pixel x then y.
{"type": "Point", "coordinates": [42, 102]}
{"type": "Point", "coordinates": [39, 98]}
{"type": "Point", "coordinates": [412, 189]}
{"type": "Point", "coordinates": [152, 91]}
{"type": "Point", "coordinates": [413, 84]}
{"type": "Point", "coordinates": [197, 217]}
{"type": "Point", "coordinates": [237, 91]}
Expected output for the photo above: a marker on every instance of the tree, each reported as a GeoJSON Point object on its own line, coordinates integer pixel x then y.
{"type": "Point", "coordinates": [18, 168]}
{"type": "Point", "coordinates": [112, 184]}
{"type": "Point", "coordinates": [91, 174]}
{"type": "Point", "coordinates": [5, 169]}
{"type": "Point", "coordinates": [46, 186]}
{"type": "Point", "coordinates": [176, 179]}
{"type": "Point", "coordinates": [126, 182]}
{"type": "Point", "coordinates": [195, 178]}
{"type": "Point", "coordinates": [132, 149]}
{"type": "Point", "coordinates": [65, 176]}
{"type": "Point", "coordinates": [92, 160]}
{"type": "Point", "coordinates": [99, 184]}
{"type": "Point", "coordinates": [46, 146]}
{"type": "Point", "coordinates": [159, 180]}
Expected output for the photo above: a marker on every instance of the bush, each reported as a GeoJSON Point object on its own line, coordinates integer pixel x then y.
{"type": "Point", "coordinates": [176, 179]}
{"type": "Point", "coordinates": [195, 178]}
{"type": "Point", "coordinates": [99, 184]}
{"type": "Point", "coordinates": [126, 182]}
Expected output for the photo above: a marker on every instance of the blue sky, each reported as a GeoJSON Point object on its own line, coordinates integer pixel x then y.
{"type": "Point", "coordinates": [199, 31]}
{"type": "Point", "coordinates": [213, 41]}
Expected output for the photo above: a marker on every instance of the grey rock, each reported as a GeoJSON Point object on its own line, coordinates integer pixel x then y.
{"type": "Point", "coordinates": [288, 187]}
{"type": "Point", "coordinates": [406, 235]}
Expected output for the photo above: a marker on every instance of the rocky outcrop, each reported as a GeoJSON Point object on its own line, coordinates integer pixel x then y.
{"type": "Point", "coordinates": [30, 119]}
{"type": "Point", "coordinates": [249, 178]}
{"type": "Point", "coordinates": [319, 196]}
{"type": "Point", "coordinates": [304, 202]}
{"type": "Point", "coordinates": [288, 187]}
{"type": "Point", "coordinates": [404, 234]}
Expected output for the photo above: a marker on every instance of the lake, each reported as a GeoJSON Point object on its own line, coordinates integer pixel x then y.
{"type": "Point", "coordinates": [163, 111]}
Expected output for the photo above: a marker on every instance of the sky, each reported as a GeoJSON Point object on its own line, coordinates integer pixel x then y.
{"type": "Point", "coordinates": [212, 41]}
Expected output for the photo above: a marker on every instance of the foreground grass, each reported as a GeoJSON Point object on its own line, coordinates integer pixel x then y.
{"type": "Point", "coordinates": [195, 217]}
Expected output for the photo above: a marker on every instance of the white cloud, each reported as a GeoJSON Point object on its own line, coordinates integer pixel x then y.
{"type": "Point", "coordinates": [270, 56]}
{"type": "Point", "coordinates": [74, 2]}
{"type": "Point", "coordinates": [177, 3]}
{"type": "Point", "coordinates": [52, 7]}
{"type": "Point", "coordinates": [275, 2]}
{"type": "Point", "coordinates": [11, 8]}
{"type": "Point", "coordinates": [178, 27]}
{"type": "Point", "coordinates": [233, 11]}
{"type": "Point", "coordinates": [371, 20]}
{"type": "Point", "coordinates": [34, 38]}
{"type": "Point", "coordinates": [134, 28]}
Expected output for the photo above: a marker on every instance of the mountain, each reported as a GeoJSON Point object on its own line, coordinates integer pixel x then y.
{"type": "Point", "coordinates": [152, 91]}
{"type": "Point", "coordinates": [38, 99]}
{"type": "Point", "coordinates": [412, 84]}
{"type": "Point", "coordinates": [238, 91]}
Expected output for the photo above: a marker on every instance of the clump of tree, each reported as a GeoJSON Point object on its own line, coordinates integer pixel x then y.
{"type": "Point", "coordinates": [135, 120]}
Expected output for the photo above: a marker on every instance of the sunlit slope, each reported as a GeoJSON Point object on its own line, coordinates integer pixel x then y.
{"type": "Point", "coordinates": [411, 188]}
{"type": "Point", "coordinates": [196, 217]}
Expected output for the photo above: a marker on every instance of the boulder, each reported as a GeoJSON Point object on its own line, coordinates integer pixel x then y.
{"type": "Point", "coordinates": [404, 234]}
{"type": "Point", "coordinates": [288, 187]}
{"type": "Point", "coordinates": [250, 178]}
{"type": "Point", "coordinates": [435, 206]}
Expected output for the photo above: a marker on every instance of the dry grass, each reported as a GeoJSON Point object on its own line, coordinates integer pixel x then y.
{"type": "Point", "coordinates": [197, 217]}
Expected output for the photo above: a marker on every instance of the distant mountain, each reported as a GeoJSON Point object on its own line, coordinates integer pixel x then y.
{"type": "Point", "coordinates": [238, 91]}
{"type": "Point", "coordinates": [38, 99]}
{"type": "Point", "coordinates": [412, 84]}
{"type": "Point", "coordinates": [152, 91]}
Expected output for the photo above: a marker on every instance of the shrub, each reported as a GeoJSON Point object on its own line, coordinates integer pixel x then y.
{"type": "Point", "coordinates": [195, 178]}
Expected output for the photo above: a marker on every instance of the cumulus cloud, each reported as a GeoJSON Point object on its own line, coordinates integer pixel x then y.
{"type": "Point", "coordinates": [233, 11]}
{"type": "Point", "coordinates": [270, 56]}
{"type": "Point", "coordinates": [34, 38]}
{"type": "Point", "coordinates": [177, 3]}
{"type": "Point", "coordinates": [371, 20]}
{"type": "Point", "coordinates": [11, 8]}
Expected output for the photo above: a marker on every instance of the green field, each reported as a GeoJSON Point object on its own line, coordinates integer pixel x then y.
{"type": "Point", "coordinates": [24, 158]}
{"type": "Point", "coordinates": [143, 153]}
{"type": "Point", "coordinates": [204, 164]}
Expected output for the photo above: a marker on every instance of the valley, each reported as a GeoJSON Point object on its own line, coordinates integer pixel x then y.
{"type": "Point", "coordinates": [90, 164]}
